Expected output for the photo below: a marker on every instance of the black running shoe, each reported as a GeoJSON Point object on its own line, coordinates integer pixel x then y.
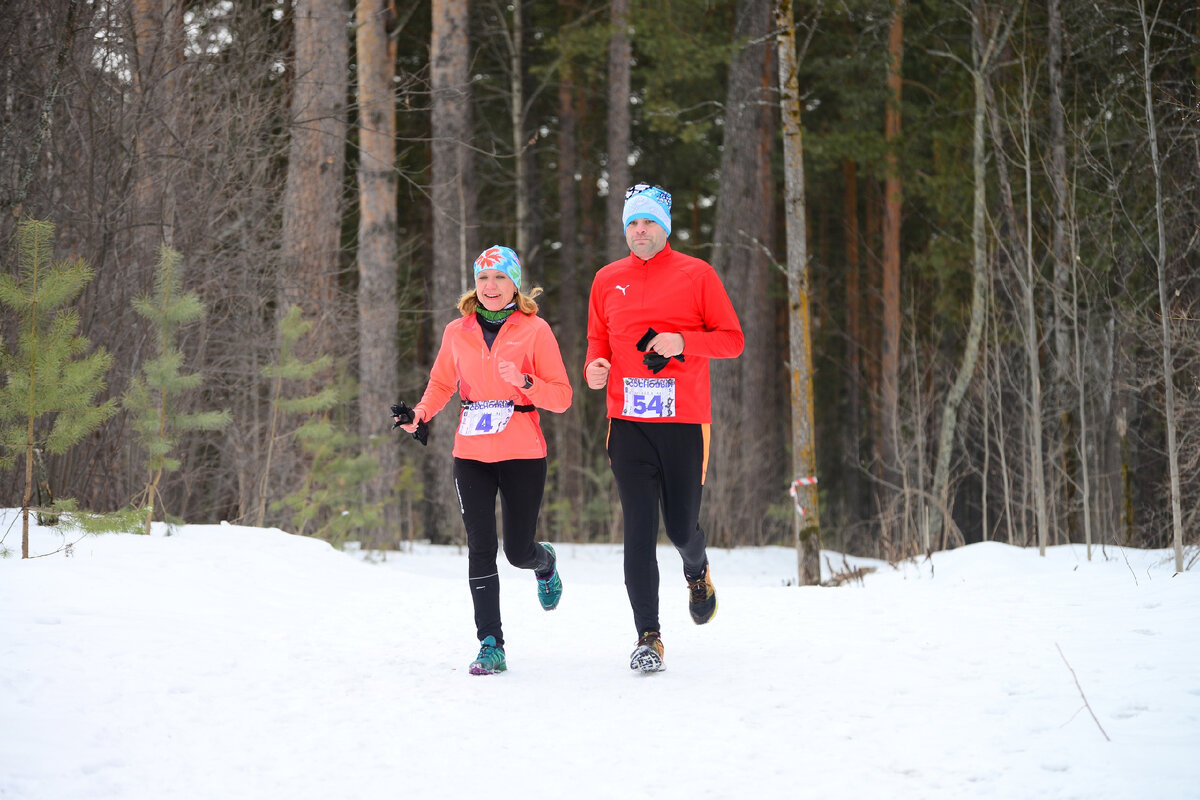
{"type": "Point", "coordinates": [702, 597]}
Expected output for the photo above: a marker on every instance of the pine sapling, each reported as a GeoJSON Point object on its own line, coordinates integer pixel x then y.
{"type": "Point", "coordinates": [153, 398]}
{"type": "Point", "coordinates": [48, 398]}
{"type": "Point", "coordinates": [328, 502]}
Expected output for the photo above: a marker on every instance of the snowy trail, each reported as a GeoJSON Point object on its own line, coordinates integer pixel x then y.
{"type": "Point", "coordinates": [227, 662]}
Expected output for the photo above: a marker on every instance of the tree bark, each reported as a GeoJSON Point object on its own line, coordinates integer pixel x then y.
{"type": "Point", "coordinates": [1164, 303]}
{"type": "Point", "coordinates": [983, 55]}
{"type": "Point", "coordinates": [310, 250]}
{"type": "Point", "coordinates": [619, 54]}
{"type": "Point", "coordinates": [571, 303]}
{"type": "Point", "coordinates": [807, 526]}
{"type": "Point", "coordinates": [852, 439]}
{"type": "Point", "coordinates": [453, 193]}
{"type": "Point", "coordinates": [378, 314]}
{"type": "Point", "coordinates": [742, 481]}
{"type": "Point", "coordinates": [889, 347]}
{"type": "Point", "coordinates": [516, 82]}
{"type": "Point", "coordinates": [312, 201]}
{"type": "Point", "coordinates": [1063, 269]}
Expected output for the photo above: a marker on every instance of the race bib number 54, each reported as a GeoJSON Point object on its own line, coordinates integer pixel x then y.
{"type": "Point", "coordinates": [649, 397]}
{"type": "Point", "coordinates": [486, 417]}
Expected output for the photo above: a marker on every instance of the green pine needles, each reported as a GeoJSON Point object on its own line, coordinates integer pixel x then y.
{"type": "Point", "coordinates": [154, 397]}
{"type": "Point", "coordinates": [328, 502]}
{"type": "Point", "coordinates": [48, 400]}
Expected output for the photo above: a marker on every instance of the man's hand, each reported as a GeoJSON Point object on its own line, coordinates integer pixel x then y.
{"type": "Point", "coordinates": [596, 373]}
{"type": "Point", "coordinates": [667, 345]}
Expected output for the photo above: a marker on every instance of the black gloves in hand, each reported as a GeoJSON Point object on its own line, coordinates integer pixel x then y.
{"type": "Point", "coordinates": [653, 361]}
{"type": "Point", "coordinates": [403, 415]}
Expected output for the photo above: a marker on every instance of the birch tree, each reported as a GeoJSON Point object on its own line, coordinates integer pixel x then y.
{"type": "Point", "coordinates": [983, 55]}
{"type": "Point", "coordinates": [1164, 304]}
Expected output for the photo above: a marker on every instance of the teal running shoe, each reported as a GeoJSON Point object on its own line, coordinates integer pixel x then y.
{"type": "Point", "coordinates": [490, 659]}
{"type": "Point", "coordinates": [549, 586]}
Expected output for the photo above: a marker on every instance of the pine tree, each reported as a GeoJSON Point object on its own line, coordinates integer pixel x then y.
{"type": "Point", "coordinates": [153, 396]}
{"type": "Point", "coordinates": [48, 399]}
{"type": "Point", "coordinates": [328, 503]}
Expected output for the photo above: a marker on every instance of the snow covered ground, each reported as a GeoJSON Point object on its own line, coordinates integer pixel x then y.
{"type": "Point", "coordinates": [232, 662]}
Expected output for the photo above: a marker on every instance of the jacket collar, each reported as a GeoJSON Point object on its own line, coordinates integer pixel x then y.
{"type": "Point", "coordinates": [638, 261]}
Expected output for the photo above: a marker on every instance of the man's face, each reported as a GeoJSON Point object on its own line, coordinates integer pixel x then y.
{"type": "Point", "coordinates": [645, 238]}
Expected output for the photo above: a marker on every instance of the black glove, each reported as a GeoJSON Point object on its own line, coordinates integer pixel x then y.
{"type": "Point", "coordinates": [655, 362]}
{"type": "Point", "coordinates": [403, 415]}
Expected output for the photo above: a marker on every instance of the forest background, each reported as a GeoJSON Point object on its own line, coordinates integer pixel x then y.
{"type": "Point", "coordinates": [1000, 228]}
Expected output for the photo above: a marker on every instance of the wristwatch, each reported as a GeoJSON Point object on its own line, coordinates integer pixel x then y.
{"type": "Point", "coordinates": [528, 382]}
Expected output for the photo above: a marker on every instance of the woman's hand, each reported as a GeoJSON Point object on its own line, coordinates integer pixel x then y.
{"type": "Point", "coordinates": [510, 374]}
{"type": "Point", "coordinates": [418, 415]}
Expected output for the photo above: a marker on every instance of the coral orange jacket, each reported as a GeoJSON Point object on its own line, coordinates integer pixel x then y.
{"type": "Point", "coordinates": [465, 364]}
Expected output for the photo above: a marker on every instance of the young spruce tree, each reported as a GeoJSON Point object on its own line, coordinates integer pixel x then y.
{"type": "Point", "coordinates": [153, 396]}
{"type": "Point", "coordinates": [48, 398]}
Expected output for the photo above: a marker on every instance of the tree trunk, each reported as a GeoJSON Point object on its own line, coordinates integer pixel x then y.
{"type": "Point", "coordinates": [524, 242]}
{"type": "Point", "coordinates": [742, 480]}
{"type": "Point", "coordinates": [1037, 479]}
{"type": "Point", "coordinates": [454, 225]}
{"type": "Point", "coordinates": [1020, 251]}
{"type": "Point", "coordinates": [571, 305]}
{"type": "Point", "coordinates": [378, 314]}
{"type": "Point", "coordinates": [807, 525]}
{"type": "Point", "coordinates": [1063, 271]}
{"type": "Point", "coordinates": [1164, 304]}
{"type": "Point", "coordinates": [983, 55]}
{"type": "Point", "coordinates": [889, 346]}
{"type": "Point", "coordinates": [619, 54]}
{"type": "Point", "coordinates": [312, 202]}
{"type": "Point", "coordinates": [158, 29]}
{"type": "Point", "coordinates": [852, 439]}
{"type": "Point", "coordinates": [310, 249]}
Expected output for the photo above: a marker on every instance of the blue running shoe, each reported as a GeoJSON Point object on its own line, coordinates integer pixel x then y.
{"type": "Point", "coordinates": [490, 659]}
{"type": "Point", "coordinates": [549, 586]}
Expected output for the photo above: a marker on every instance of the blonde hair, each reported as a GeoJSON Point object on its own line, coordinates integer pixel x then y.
{"type": "Point", "coordinates": [469, 302]}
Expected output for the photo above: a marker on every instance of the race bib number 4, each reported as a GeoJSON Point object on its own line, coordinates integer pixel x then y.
{"type": "Point", "coordinates": [649, 397]}
{"type": "Point", "coordinates": [485, 417]}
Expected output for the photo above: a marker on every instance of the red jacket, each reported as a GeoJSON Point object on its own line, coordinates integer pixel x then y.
{"type": "Point", "coordinates": [466, 365]}
{"type": "Point", "coordinates": [671, 293]}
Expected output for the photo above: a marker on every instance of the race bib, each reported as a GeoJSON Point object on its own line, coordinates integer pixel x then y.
{"type": "Point", "coordinates": [649, 397]}
{"type": "Point", "coordinates": [485, 417]}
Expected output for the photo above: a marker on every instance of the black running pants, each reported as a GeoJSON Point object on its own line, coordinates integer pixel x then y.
{"type": "Point", "coordinates": [520, 484]}
{"type": "Point", "coordinates": [658, 465]}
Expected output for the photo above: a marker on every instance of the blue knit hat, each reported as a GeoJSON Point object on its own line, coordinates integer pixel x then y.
{"type": "Point", "coordinates": [647, 202]}
{"type": "Point", "coordinates": [503, 259]}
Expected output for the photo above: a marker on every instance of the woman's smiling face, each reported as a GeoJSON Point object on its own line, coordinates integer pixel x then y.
{"type": "Point", "coordinates": [494, 289]}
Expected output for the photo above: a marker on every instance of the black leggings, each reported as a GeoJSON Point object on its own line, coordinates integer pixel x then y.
{"type": "Point", "coordinates": [657, 464]}
{"type": "Point", "coordinates": [520, 483]}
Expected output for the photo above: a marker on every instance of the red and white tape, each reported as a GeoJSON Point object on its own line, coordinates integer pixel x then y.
{"type": "Point", "coordinates": [807, 481]}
